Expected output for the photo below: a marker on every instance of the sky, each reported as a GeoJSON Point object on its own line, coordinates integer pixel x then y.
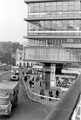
{"type": "Point", "coordinates": [12, 24]}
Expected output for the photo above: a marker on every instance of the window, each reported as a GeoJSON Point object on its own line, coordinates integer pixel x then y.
{"type": "Point", "coordinates": [20, 58]}
{"type": "Point", "coordinates": [41, 26]}
{"type": "Point", "coordinates": [76, 25]}
{"type": "Point", "coordinates": [42, 7]}
{"type": "Point", "coordinates": [70, 25]}
{"type": "Point", "coordinates": [30, 26]}
{"type": "Point", "coordinates": [64, 25]}
{"type": "Point", "coordinates": [36, 7]}
{"type": "Point", "coordinates": [54, 25]}
{"type": "Point", "coordinates": [47, 25]}
{"type": "Point", "coordinates": [53, 6]}
{"type": "Point", "coordinates": [47, 7]}
{"type": "Point", "coordinates": [77, 5]}
{"type": "Point", "coordinates": [65, 6]}
{"type": "Point", "coordinates": [59, 6]}
{"type": "Point", "coordinates": [31, 7]}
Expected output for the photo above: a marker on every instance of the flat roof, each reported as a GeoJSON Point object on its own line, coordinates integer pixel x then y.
{"type": "Point", "coordinates": [35, 1]}
{"type": "Point", "coordinates": [8, 85]}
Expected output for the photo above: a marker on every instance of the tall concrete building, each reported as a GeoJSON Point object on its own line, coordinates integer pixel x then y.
{"type": "Point", "coordinates": [54, 33]}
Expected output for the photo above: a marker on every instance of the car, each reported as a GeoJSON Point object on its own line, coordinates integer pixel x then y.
{"type": "Point", "coordinates": [14, 77]}
{"type": "Point", "coordinates": [16, 72]}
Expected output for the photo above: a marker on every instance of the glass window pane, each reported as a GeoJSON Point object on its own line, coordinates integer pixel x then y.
{"type": "Point", "coordinates": [53, 6]}
{"type": "Point", "coordinates": [31, 7]}
{"type": "Point", "coordinates": [77, 5]}
{"type": "Point", "coordinates": [59, 6]}
{"type": "Point", "coordinates": [53, 25]}
{"type": "Point", "coordinates": [47, 25]}
{"type": "Point", "coordinates": [65, 6]}
{"type": "Point", "coordinates": [76, 25]}
{"type": "Point", "coordinates": [59, 25]}
{"type": "Point", "coordinates": [30, 26]}
{"type": "Point", "coordinates": [71, 7]}
{"type": "Point", "coordinates": [36, 9]}
{"type": "Point", "coordinates": [70, 25]}
{"type": "Point", "coordinates": [41, 26]}
{"type": "Point", "coordinates": [42, 7]}
{"type": "Point", "coordinates": [71, 3]}
{"type": "Point", "coordinates": [64, 25]}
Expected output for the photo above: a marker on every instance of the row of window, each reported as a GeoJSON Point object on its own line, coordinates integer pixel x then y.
{"type": "Point", "coordinates": [55, 34]}
{"type": "Point", "coordinates": [55, 14]}
{"type": "Point", "coordinates": [54, 28]}
{"type": "Point", "coordinates": [56, 25]}
{"type": "Point", "coordinates": [53, 54]}
{"type": "Point", "coordinates": [54, 6]}
{"type": "Point", "coordinates": [52, 42]}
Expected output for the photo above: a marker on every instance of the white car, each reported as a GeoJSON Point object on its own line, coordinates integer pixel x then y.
{"type": "Point", "coordinates": [16, 72]}
{"type": "Point", "coordinates": [14, 77]}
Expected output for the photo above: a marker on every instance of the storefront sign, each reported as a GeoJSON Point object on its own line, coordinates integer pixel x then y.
{"type": "Point", "coordinates": [52, 76]}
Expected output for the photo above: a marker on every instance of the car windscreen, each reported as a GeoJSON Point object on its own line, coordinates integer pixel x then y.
{"type": "Point", "coordinates": [4, 101]}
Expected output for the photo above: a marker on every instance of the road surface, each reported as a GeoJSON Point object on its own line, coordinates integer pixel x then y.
{"type": "Point", "coordinates": [26, 109]}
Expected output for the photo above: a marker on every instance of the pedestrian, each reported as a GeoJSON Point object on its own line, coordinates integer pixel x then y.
{"type": "Point", "coordinates": [50, 94]}
{"type": "Point", "coordinates": [57, 93]}
{"type": "Point", "coordinates": [25, 78]}
{"type": "Point", "coordinates": [42, 93]}
{"type": "Point", "coordinates": [40, 84]}
{"type": "Point", "coordinates": [23, 73]}
{"type": "Point", "coordinates": [30, 82]}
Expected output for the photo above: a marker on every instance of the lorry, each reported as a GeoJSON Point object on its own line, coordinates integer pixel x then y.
{"type": "Point", "coordinates": [8, 96]}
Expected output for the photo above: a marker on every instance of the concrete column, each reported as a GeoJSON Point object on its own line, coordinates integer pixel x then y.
{"type": "Point", "coordinates": [47, 75]}
{"type": "Point", "coordinates": [47, 80]}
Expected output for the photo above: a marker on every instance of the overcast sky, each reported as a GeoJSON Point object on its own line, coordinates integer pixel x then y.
{"type": "Point", "coordinates": [12, 25]}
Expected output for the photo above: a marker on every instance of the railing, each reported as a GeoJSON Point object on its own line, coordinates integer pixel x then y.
{"type": "Point", "coordinates": [77, 112]}
{"type": "Point", "coordinates": [66, 106]}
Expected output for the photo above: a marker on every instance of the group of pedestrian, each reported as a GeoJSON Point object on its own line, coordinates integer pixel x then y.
{"type": "Point", "coordinates": [51, 94]}
{"type": "Point", "coordinates": [42, 92]}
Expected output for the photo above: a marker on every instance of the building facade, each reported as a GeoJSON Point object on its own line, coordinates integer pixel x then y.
{"type": "Point", "coordinates": [53, 31]}
{"type": "Point", "coordinates": [20, 58]}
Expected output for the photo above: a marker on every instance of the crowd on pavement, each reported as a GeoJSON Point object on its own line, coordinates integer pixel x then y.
{"type": "Point", "coordinates": [38, 86]}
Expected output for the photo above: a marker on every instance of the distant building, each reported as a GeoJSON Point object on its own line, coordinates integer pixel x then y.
{"type": "Point", "coordinates": [20, 58]}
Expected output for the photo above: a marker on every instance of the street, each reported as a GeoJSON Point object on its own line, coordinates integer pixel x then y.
{"type": "Point", "coordinates": [27, 109]}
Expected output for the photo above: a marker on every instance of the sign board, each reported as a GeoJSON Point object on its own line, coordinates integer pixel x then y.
{"type": "Point", "coordinates": [52, 76]}
{"type": "Point", "coordinates": [37, 67]}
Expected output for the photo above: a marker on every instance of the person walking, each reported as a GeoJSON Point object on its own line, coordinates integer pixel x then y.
{"type": "Point", "coordinates": [50, 94]}
{"type": "Point", "coordinates": [57, 93]}
{"type": "Point", "coordinates": [42, 93]}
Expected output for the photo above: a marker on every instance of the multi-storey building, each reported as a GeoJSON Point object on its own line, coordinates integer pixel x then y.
{"type": "Point", "coordinates": [53, 31]}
